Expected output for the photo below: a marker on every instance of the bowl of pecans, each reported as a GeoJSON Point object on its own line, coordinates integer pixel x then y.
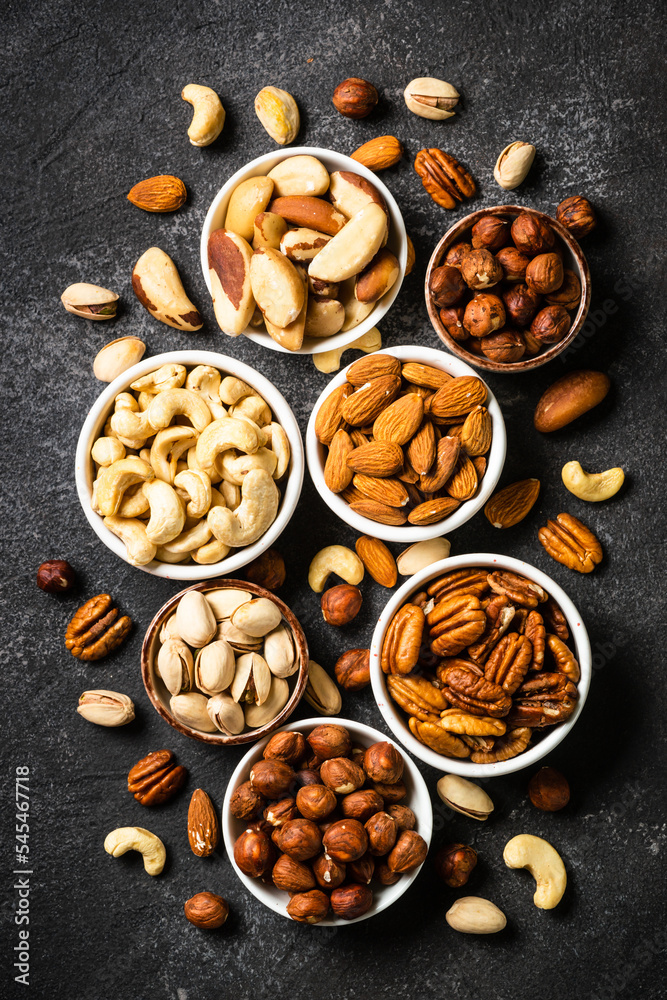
{"type": "Point", "coordinates": [480, 665]}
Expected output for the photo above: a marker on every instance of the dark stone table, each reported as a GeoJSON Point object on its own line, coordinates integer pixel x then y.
{"type": "Point", "coordinates": [92, 105]}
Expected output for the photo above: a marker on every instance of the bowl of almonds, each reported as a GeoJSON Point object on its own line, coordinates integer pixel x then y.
{"type": "Point", "coordinates": [480, 665]}
{"type": "Point", "coordinates": [406, 444]}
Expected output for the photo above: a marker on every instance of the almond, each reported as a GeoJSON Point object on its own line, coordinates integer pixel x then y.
{"type": "Point", "coordinates": [480, 466]}
{"type": "Point", "coordinates": [400, 420]}
{"type": "Point", "coordinates": [458, 398]}
{"type": "Point", "coordinates": [433, 510]}
{"type": "Point", "coordinates": [463, 484]}
{"type": "Point", "coordinates": [376, 458]}
{"type": "Point", "coordinates": [425, 375]}
{"type": "Point", "coordinates": [364, 405]}
{"type": "Point", "coordinates": [477, 432]}
{"type": "Point", "coordinates": [378, 512]}
{"type": "Point", "coordinates": [408, 475]}
{"type": "Point", "coordinates": [422, 448]}
{"type": "Point", "coordinates": [337, 474]}
{"type": "Point", "coordinates": [511, 504]}
{"type": "Point", "coordinates": [203, 826]}
{"type": "Point", "coordinates": [163, 193]}
{"type": "Point", "coordinates": [447, 456]}
{"type": "Point", "coordinates": [351, 495]}
{"type": "Point", "coordinates": [390, 492]}
{"type": "Point", "coordinates": [372, 366]}
{"type": "Point", "coordinates": [378, 560]}
{"type": "Point", "coordinates": [329, 416]}
{"type": "Point", "coordinates": [379, 153]}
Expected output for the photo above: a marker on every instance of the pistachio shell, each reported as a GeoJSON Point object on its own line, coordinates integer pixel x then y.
{"type": "Point", "coordinates": [252, 680]}
{"type": "Point", "coordinates": [215, 667]}
{"type": "Point", "coordinates": [261, 715]}
{"type": "Point", "coordinates": [195, 620]}
{"type": "Point", "coordinates": [321, 691]}
{"type": "Point", "coordinates": [238, 640]}
{"type": "Point", "coordinates": [226, 715]}
{"type": "Point", "coordinates": [513, 164]}
{"type": "Point", "coordinates": [106, 708]}
{"type": "Point", "coordinates": [169, 630]}
{"type": "Point", "coordinates": [257, 617]}
{"type": "Point", "coordinates": [190, 709]}
{"type": "Point", "coordinates": [225, 602]}
{"type": "Point", "coordinates": [279, 652]}
{"type": "Point", "coordinates": [175, 666]}
{"type": "Point", "coordinates": [465, 797]}
{"type": "Point", "coordinates": [116, 357]}
{"type": "Point", "coordinates": [89, 301]}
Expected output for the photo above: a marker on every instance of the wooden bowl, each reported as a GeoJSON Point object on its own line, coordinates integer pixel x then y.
{"type": "Point", "coordinates": [159, 695]}
{"type": "Point", "coordinates": [574, 260]}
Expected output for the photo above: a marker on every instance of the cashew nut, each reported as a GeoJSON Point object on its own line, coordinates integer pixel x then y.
{"type": "Point", "coordinates": [115, 479]}
{"type": "Point", "coordinates": [168, 446]}
{"type": "Point", "coordinates": [233, 389]}
{"type": "Point", "coordinates": [543, 862]}
{"type": "Point", "coordinates": [593, 486]}
{"type": "Point", "coordinates": [179, 402]}
{"type": "Point", "coordinates": [190, 539]}
{"type": "Point", "coordinates": [213, 552]}
{"type": "Point", "coordinates": [132, 427]}
{"type": "Point", "coordinates": [329, 361]}
{"type": "Point", "coordinates": [167, 512]}
{"type": "Point", "coordinates": [222, 435]}
{"type": "Point", "coordinates": [140, 549]}
{"type": "Point", "coordinates": [197, 488]}
{"type": "Point", "coordinates": [134, 502]}
{"type": "Point", "coordinates": [236, 467]}
{"type": "Point", "coordinates": [209, 114]}
{"type": "Point", "coordinates": [136, 838]}
{"type": "Point", "coordinates": [279, 444]}
{"type": "Point", "coordinates": [107, 450]}
{"type": "Point", "coordinates": [253, 407]}
{"type": "Point", "coordinates": [125, 401]}
{"type": "Point", "coordinates": [144, 399]}
{"type": "Point", "coordinates": [336, 559]}
{"type": "Point", "coordinates": [171, 376]}
{"type": "Point", "coordinates": [206, 381]}
{"type": "Point", "coordinates": [253, 516]}
{"type": "Point", "coordinates": [231, 496]}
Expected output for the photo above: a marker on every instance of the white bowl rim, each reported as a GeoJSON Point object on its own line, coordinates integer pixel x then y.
{"type": "Point", "coordinates": [291, 492]}
{"type": "Point", "coordinates": [411, 533]}
{"type": "Point", "coordinates": [392, 713]}
{"type": "Point", "coordinates": [343, 162]}
{"type": "Point", "coordinates": [275, 899]}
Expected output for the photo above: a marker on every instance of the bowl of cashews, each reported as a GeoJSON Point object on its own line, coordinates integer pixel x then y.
{"type": "Point", "coordinates": [189, 465]}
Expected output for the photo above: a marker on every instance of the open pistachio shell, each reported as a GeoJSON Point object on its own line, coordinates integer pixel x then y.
{"type": "Point", "coordinates": [226, 714]}
{"type": "Point", "coordinates": [175, 666]}
{"type": "Point", "coordinates": [116, 357]}
{"type": "Point", "coordinates": [89, 301]}
{"type": "Point", "coordinates": [238, 640]}
{"type": "Point", "coordinates": [321, 691]}
{"type": "Point", "coordinates": [257, 617]}
{"type": "Point", "coordinates": [252, 680]}
{"type": "Point", "coordinates": [195, 621]}
{"type": "Point", "coordinates": [225, 602]}
{"type": "Point", "coordinates": [215, 667]}
{"type": "Point", "coordinates": [106, 708]}
{"type": "Point", "coordinates": [190, 709]}
{"type": "Point", "coordinates": [465, 797]}
{"type": "Point", "coordinates": [261, 715]}
{"type": "Point", "coordinates": [169, 630]}
{"type": "Point", "coordinates": [279, 652]}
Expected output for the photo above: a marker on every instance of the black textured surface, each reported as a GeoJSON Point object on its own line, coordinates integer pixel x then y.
{"type": "Point", "coordinates": [92, 105]}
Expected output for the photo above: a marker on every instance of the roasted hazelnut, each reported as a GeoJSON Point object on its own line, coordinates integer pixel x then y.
{"type": "Point", "coordinates": [408, 853]}
{"type": "Point", "coordinates": [329, 873]}
{"type": "Point", "coordinates": [506, 346]}
{"type": "Point", "coordinates": [312, 763]}
{"type": "Point", "coordinates": [267, 570]}
{"type": "Point", "coordinates": [246, 802]}
{"type": "Point", "coordinates": [545, 273]}
{"type": "Point", "coordinates": [261, 826]}
{"type": "Point", "coordinates": [533, 346]}
{"type": "Point", "coordinates": [271, 778]}
{"type": "Point", "coordinates": [550, 325]}
{"type": "Point", "coordinates": [300, 838]}
{"type": "Point", "coordinates": [292, 876]}
{"type": "Point", "coordinates": [513, 263]}
{"type": "Point", "coordinates": [549, 790]}
{"type": "Point", "coordinates": [454, 863]}
{"type": "Point", "coordinates": [355, 98]}
{"type": "Point", "coordinates": [521, 304]}
{"type": "Point", "coordinates": [577, 215]}
{"type": "Point", "coordinates": [342, 776]}
{"type": "Point", "coordinates": [531, 234]}
{"type": "Point", "coordinates": [356, 754]}
{"type": "Point", "coordinates": [385, 875]}
{"type": "Point", "coordinates": [568, 295]}
{"type": "Point", "coordinates": [456, 253]}
{"type": "Point", "coordinates": [345, 840]}
{"type": "Point", "coordinates": [56, 576]}
{"type": "Point", "coordinates": [329, 740]}
{"type": "Point", "coordinates": [351, 901]}
{"type": "Point", "coordinates": [315, 802]}
{"type": "Point", "coordinates": [490, 233]}
{"type": "Point", "coordinates": [447, 285]}
{"type": "Point", "coordinates": [383, 762]}
{"type": "Point", "coordinates": [290, 748]}
{"type": "Point", "coordinates": [353, 669]}
{"type": "Point", "coordinates": [254, 853]}
{"type": "Point", "coordinates": [404, 817]}
{"type": "Point", "coordinates": [382, 830]}
{"type": "Point", "coordinates": [341, 605]}
{"type": "Point", "coordinates": [308, 907]}
{"type": "Point", "coordinates": [362, 804]}
{"type": "Point", "coordinates": [362, 870]}
{"type": "Point", "coordinates": [452, 320]}
{"type": "Point", "coordinates": [279, 813]}
{"type": "Point", "coordinates": [206, 910]}
{"type": "Point", "coordinates": [307, 777]}
{"type": "Point", "coordinates": [481, 270]}
{"type": "Point", "coordinates": [484, 314]}
{"type": "Point", "coordinates": [474, 346]}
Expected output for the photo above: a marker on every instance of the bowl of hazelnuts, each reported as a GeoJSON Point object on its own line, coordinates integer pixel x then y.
{"type": "Point", "coordinates": [508, 288]}
{"type": "Point", "coordinates": [327, 822]}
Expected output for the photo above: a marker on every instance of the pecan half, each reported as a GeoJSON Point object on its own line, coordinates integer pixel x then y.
{"type": "Point", "coordinates": [460, 581]}
{"type": "Point", "coordinates": [484, 743]}
{"type": "Point", "coordinates": [555, 620]}
{"type": "Point", "coordinates": [466, 687]}
{"type": "Point", "coordinates": [517, 588]}
{"type": "Point", "coordinates": [510, 745]}
{"type": "Point", "coordinates": [434, 736]}
{"type": "Point", "coordinates": [96, 630]}
{"type": "Point", "coordinates": [533, 629]}
{"type": "Point", "coordinates": [454, 623]}
{"type": "Point", "coordinates": [564, 659]}
{"type": "Point", "coordinates": [465, 724]}
{"type": "Point", "coordinates": [508, 663]}
{"type": "Point", "coordinates": [543, 700]}
{"type": "Point", "coordinates": [417, 696]}
{"type": "Point", "coordinates": [443, 177]}
{"type": "Point", "coordinates": [400, 650]}
{"type": "Point", "coordinates": [155, 778]}
{"type": "Point", "coordinates": [499, 615]}
{"type": "Point", "coordinates": [571, 543]}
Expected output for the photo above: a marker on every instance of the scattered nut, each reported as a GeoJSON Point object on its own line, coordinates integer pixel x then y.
{"type": "Point", "coordinates": [422, 554]}
{"type": "Point", "coordinates": [355, 98]}
{"type": "Point", "coordinates": [543, 862]}
{"type": "Point", "coordinates": [549, 790]}
{"type": "Point", "coordinates": [136, 838]}
{"type": "Point", "coordinates": [106, 708]}
{"type": "Point", "coordinates": [267, 571]}
{"type": "Point", "coordinates": [89, 301]}
{"type": "Point", "coordinates": [590, 486]}
{"type": "Point", "coordinates": [321, 691]}
{"type": "Point", "coordinates": [474, 915]}
{"type": "Point", "coordinates": [379, 154]}
{"type": "Point", "coordinates": [335, 559]}
{"type": "Point", "coordinates": [431, 98]}
{"type": "Point", "coordinates": [577, 215]}
{"type": "Point", "coordinates": [454, 864]}
{"type": "Point", "coordinates": [96, 630]}
{"type": "Point", "coordinates": [164, 193]}
{"type": "Point", "coordinates": [203, 826]}
{"type": "Point", "coordinates": [444, 178]}
{"type": "Point", "coordinates": [206, 910]}
{"type": "Point", "coordinates": [56, 576]}
{"type": "Point", "coordinates": [158, 286]}
{"type": "Point", "coordinates": [116, 357]}
{"type": "Point", "coordinates": [156, 778]}
{"type": "Point", "coordinates": [465, 797]}
{"type": "Point", "coordinates": [209, 114]}
{"type": "Point", "coordinates": [278, 112]}
{"type": "Point", "coordinates": [341, 604]}
{"type": "Point", "coordinates": [570, 397]}
{"type": "Point", "coordinates": [353, 669]}
{"type": "Point", "coordinates": [513, 164]}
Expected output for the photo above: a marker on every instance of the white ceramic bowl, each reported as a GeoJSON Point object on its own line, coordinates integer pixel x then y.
{"type": "Point", "coordinates": [291, 488]}
{"type": "Point", "coordinates": [409, 533]}
{"type": "Point", "coordinates": [397, 242]}
{"type": "Point", "coordinates": [418, 799]}
{"type": "Point", "coordinates": [396, 718]}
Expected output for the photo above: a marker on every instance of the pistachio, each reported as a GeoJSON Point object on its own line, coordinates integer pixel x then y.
{"type": "Point", "coordinates": [278, 113]}
{"type": "Point", "coordinates": [474, 915]}
{"type": "Point", "coordinates": [106, 708]}
{"type": "Point", "coordinates": [89, 301]}
{"type": "Point", "coordinates": [175, 666]}
{"type": "Point", "coordinates": [513, 164]}
{"type": "Point", "coordinates": [260, 715]}
{"type": "Point", "coordinates": [226, 714]}
{"type": "Point", "coordinates": [214, 667]}
{"type": "Point", "coordinates": [252, 680]}
{"type": "Point", "coordinates": [169, 630]}
{"type": "Point", "coordinates": [321, 691]}
{"type": "Point", "coordinates": [431, 98]}
{"type": "Point", "coordinates": [464, 797]}
{"type": "Point", "coordinates": [257, 617]}
{"type": "Point", "coordinates": [190, 710]}
{"type": "Point", "coordinates": [225, 602]}
{"type": "Point", "coordinates": [195, 620]}
{"type": "Point", "coordinates": [116, 357]}
{"type": "Point", "coordinates": [237, 639]}
{"type": "Point", "coordinates": [279, 652]}
{"type": "Point", "coordinates": [422, 554]}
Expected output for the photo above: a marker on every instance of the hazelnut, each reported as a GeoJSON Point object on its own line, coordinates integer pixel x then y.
{"type": "Point", "coordinates": [254, 853]}
{"type": "Point", "coordinates": [452, 320]}
{"type": "Point", "coordinates": [341, 604]}
{"type": "Point", "coordinates": [456, 253]}
{"type": "Point", "coordinates": [404, 817]}
{"type": "Point", "coordinates": [355, 98]}
{"type": "Point", "coordinates": [382, 830]}
{"type": "Point", "coordinates": [490, 233]}
{"type": "Point", "coordinates": [390, 791]}
{"type": "Point", "coordinates": [550, 325]}
{"type": "Point", "coordinates": [292, 876]}
{"type": "Point", "coordinates": [549, 790]}
{"type": "Point", "coordinates": [545, 273]}
{"type": "Point", "coordinates": [261, 826]}
{"type": "Point", "coordinates": [267, 571]}
{"type": "Point", "coordinates": [454, 863]}
{"type": "Point", "coordinates": [447, 286]}
{"type": "Point", "coordinates": [577, 215]}
{"type": "Point", "coordinates": [353, 669]}
{"type": "Point", "coordinates": [313, 763]}
{"type": "Point", "coordinates": [361, 870]}
{"type": "Point", "coordinates": [408, 853]}
{"type": "Point", "coordinates": [345, 840]}
{"type": "Point", "coordinates": [342, 776]}
{"type": "Point", "coordinates": [533, 346]}
{"type": "Point", "coordinates": [513, 263]}
{"type": "Point", "coordinates": [329, 741]}
{"type": "Point", "coordinates": [308, 907]}
{"type": "Point", "coordinates": [206, 910]}
{"type": "Point", "coordinates": [480, 269]}
{"type": "Point", "coordinates": [271, 778]}
{"type": "Point", "coordinates": [362, 805]}
{"type": "Point", "coordinates": [383, 762]}
{"type": "Point", "coordinates": [300, 838]}
{"type": "Point", "coordinates": [506, 346]}
{"type": "Point", "coordinates": [307, 777]}
{"type": "Point", "coordinates": [56, 576]}
{"type": "Point", "coordinates": [484, 314]}
{"type": "Point", "coordinates": [245, 802]}
{"type": "Point", "coordinates": [279, 813]}
{"type": "Point", "coordinates": [531, 234]}
{"type": "Point", "coordinates": [569, 294]}
{"type": "Point", "coordinates": [290, 748]}
{"type": "Point", "coordinates": [351, 901]}
{"type": "Point", "coordinates": [357, 754]}
{"type": "Point", "coordinates": [521, 304]}
{"type": "Point", "coordinates": [385, 875]}
{"type": "Point", "coordinates": [315, 802]}
{"type": "Point", "coordinates": [329, 873]}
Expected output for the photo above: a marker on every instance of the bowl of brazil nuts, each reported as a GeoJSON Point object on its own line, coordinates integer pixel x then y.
{"type": "Point", "coordinates": [303, 250]}
{"type": "Point", "coordinates": [480, 665]}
